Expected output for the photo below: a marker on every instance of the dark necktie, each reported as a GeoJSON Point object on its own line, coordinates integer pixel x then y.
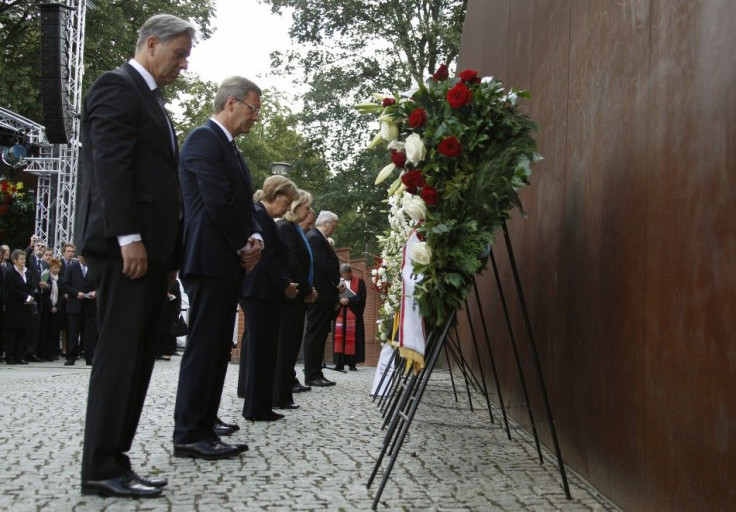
{"type": "Point", "coordinates": [162, 103]}
{"type": "Point", "coordinates": [160, 98]}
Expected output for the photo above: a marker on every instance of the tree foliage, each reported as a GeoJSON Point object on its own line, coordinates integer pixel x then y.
{"type": "Point", "coordinates": [346, 50]}
{"type": "Point", "coordinates": [111, 32]}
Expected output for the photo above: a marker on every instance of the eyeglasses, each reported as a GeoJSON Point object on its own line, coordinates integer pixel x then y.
{"type": "Point", "coordinates": [256, 111]}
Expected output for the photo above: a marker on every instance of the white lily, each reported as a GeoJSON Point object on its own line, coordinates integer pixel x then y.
{"type": "Point", "coordinates": [385, 173]}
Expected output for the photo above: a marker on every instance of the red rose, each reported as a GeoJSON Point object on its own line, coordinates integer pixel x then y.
{"type": "Point", "coordinates": [417, 118]}
{"type": "Point", "coordinates": [387, 102]}
{"type": "Point", "coordinates": [440, 74]}
{"type": "Point", "coordinates": [459, 95]}
{"type": "Point", "coordinates": [413, 180]}
{"type": "Point", "coordinates": [449, 146]}
{"type": "Point", "coordinates": [468, 76]}
{"type": "Point", "coordinates": [398, 158]}
{"type": "Point", "coordinates": [429, 195]}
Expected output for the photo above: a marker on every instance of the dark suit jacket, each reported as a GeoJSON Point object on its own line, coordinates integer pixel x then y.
{"type": "Point", "coordinates": [32, 266]}
{"type": "Point", "coordinates": [17, 312]}
{"type": "Point", "coordinates": [129, 185]}
{"type": "Point", "coordinates": [326, 267]}
{"type": "Point", "coordinates": [269, 278]}
{"type": "Point", "coordinates": [218, 199]}
{"type": "Point", "coordinates": [75, 281]}
{"type": "Point", "coordinates": [299, 261]}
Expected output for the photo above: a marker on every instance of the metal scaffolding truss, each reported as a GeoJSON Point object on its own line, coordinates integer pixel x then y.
{"type": "Point", "coordinates": [57, 165]}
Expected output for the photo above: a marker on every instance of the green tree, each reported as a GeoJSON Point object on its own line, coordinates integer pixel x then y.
{"type": "Point", "coordinates": [275, 138]}
{"type": "Point", "coordinates": [111, 34]}
{"type": "Point", "coordinates": [346, 50]}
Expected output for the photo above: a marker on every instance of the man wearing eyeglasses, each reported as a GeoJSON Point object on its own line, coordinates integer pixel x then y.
{"type": "Point", "coordinates": [221, 242]}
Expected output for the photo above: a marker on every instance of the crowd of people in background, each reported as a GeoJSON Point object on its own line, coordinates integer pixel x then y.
{"type": "Point", "coordinates": [48, 309]}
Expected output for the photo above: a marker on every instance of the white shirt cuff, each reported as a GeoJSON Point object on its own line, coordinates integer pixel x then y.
{"type": "Point", "coordinates": [129, 239]}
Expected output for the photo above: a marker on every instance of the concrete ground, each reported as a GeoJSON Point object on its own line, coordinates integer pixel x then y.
{"type": "Point", "coordinates": [318, 458]}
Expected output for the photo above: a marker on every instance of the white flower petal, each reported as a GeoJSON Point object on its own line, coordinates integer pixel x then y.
{"type": "Point", "coordinates": [385, 173]}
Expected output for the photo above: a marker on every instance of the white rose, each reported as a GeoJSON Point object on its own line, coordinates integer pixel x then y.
{"type": "Point", "coordinates": [415, 150]}
{"type": "Point", "coordinates": [414, 206]}
{"type": "Point", "coordinates": [381, 271]}
{"type": "Point", "coordinates": [419, 253]}
{"type": "Point", "coordinates": [389, 129]}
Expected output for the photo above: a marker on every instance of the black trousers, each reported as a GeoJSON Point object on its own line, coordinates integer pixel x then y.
{"type": "Point", "coordinates": [257, 370]}
{"type": "Point", "coordinates": [15, 344]}
{"type": "Point", "coordinates": [291, 331]}
{"type": "Point", "coordinates": [212, 303]}
{"type": "Point", "coordinates": [81, 328]}
{"type": "Point", "coordinates": [319, 318]}
{"type": "Point", "coordinates": [129, 314]}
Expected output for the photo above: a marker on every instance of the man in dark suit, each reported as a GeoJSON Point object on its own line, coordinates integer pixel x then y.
{"type": "Point", "coordinates": [67, 258]}
{"type": "Point", "coordinates": [221, 241]}
{"type": "Point", "coordinates": [81, 311]}
{"type": "Point", "coordinates": [321, 313]}
{"type": "Point", "coordinates": [36, 267]}
{"type": "Point", "coordinates": [129, 224]}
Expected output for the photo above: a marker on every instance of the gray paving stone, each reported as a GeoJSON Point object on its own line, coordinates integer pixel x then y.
{"type": "Point", "coordinates": [318, 458]}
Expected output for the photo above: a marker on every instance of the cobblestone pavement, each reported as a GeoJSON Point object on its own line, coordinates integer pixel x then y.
{"type": "Point", "coordinates": [318, 458]}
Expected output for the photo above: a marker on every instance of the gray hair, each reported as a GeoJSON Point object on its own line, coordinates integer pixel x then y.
{"type": "Point", "coordinates": [345, 268]}
{"type": "Point", "coordinates": [326, 216]}
{"type": "Point", "coordinates": [235, 86]}
{"type": "Point", "coordinates": [164, 27]}
{"type": "Point", "coordinates": [304, 198]}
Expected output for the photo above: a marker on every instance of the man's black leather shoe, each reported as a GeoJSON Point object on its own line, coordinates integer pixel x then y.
{"type": "Point", "coordinates": [207, 450]}
{"type": "Point", "coordinates": [241, 447]}
{"type": "Point", "coordinates": [122, 487]}
{"type": "Point", "coordinates": [69, 362]}
{"type": "Point", "coordinates": [229, 425]}
{"type": "Point", "coordinates": [288, 406]}
{"type": "Point", "coordinates": [270, 416]}
{"type": "Point", "coordinates": [223, 430]}
{"type": "Point", "coordinates": [321, 382]}
{"type": "Point", "coordinates": [33, 359]}
{"type": "Point", "coordinates": [150, 482]}
{"type": "Point", "coordinates": [298, 388]}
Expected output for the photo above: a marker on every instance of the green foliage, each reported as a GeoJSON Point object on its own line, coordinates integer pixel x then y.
{"type": "Point", "coordinates": [111, 32]}
{"type": "Point", "coordinates": [347, 49]}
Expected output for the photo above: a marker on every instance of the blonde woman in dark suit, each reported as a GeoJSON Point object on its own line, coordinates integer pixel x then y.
{"type": "Point", "coordinates": [291, 327]}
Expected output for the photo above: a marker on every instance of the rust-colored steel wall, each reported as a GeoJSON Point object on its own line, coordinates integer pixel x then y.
{"type": "Point", "coordinates": [628, 255]}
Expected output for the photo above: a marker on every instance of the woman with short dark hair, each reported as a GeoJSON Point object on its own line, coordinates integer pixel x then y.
{"type": "Point", "coordinates": [20, 288]}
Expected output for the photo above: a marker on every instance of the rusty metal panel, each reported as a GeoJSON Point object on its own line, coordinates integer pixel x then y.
{"type": "Point", "coordinates": [628, 254]}
{"type": "Point", "coordinates": [691, 258]}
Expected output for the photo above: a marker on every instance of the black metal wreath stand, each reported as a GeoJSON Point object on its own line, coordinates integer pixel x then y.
{"type": "Point", "coordinates": [407, 388]}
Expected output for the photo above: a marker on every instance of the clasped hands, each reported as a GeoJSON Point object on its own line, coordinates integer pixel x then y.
{"type": "Point", "coordinates": [250, 255]}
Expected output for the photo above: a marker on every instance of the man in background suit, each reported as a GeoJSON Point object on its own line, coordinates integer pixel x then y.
{"type": "Point", "coordinates": [221, 241]}
{"type": "Point", "coordinates": [36, 266]}
{"type": "Point", "coordinates": [129, 223]}
{"type": "Point", "coordinates": [321, 313]}
{"type": "Point", "coordinates": [81, 311]}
